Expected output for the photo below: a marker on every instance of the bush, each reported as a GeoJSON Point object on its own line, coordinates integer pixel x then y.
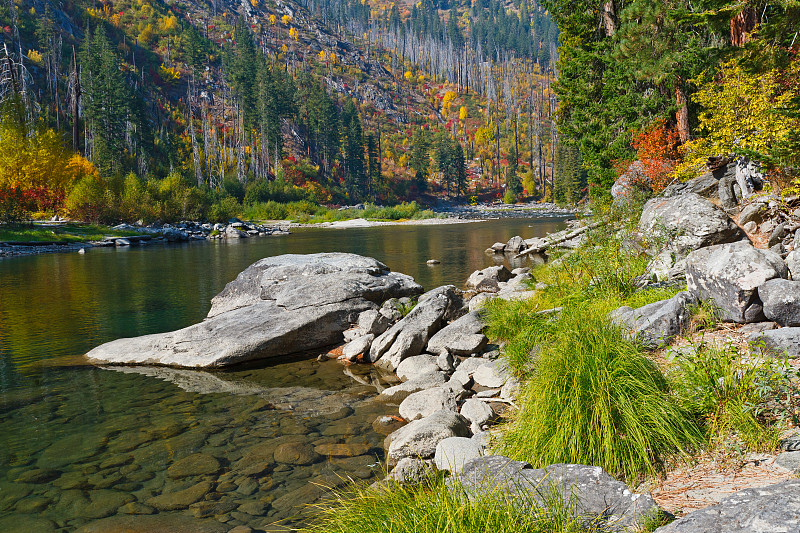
{"type": "Point", "coordinates": [437, 507]}
{"type": "Point", "coordinates": [90, 200]}
{"type": "Point", "coordinates": [594, 398]}
{"type": "Point", "coordinates": [509, 197]}
{"type": "Point", "coordinates": [224, 209]}
{"type": "Point", "coordinates": [278, 190]}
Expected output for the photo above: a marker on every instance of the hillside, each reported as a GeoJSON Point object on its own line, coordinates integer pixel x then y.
{"type": "Point", "coordinates": [185, 109]}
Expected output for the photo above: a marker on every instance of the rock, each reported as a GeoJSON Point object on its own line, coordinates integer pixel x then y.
{"type": "Point", "coordinates": [410, 335]}
{"type": "Point", "coordinates": [783, 342]}
{"type": "Point", "coordinates": [490, 374]}
{"type": "Point", "coordinates": [752, 213]}
{"type": "Point", "coordinates": [433, 262]}
{"type": "Point", "coordinates": [426, 402]}
{"type": "Point", "coordinates": [464, 371]}
{"type": "Point", "coordinates": [452, 453]}
{"type": "Point", "coordinates": [497, 248]}
{"type": "Point", "coordinates": [174, 235]}
{"type": "Point", "coordinates": [20, 523]}
{"type": "Point", "coordinates": [757, 327]}
{"type": "Point", "coordinates": [342, 450]}
{"type": "Point", "coordinates": [689, 222]}
{"type": "Point", "coordinates": [411, 470]}
{"type": "Point", "coordinates": [730, 274]}
{"type": "Point", "coordinates": [510, 389]}
{"type": "Point", "coordinates": [231, 232]}
{"type": "Point", "coordinates": [171, 522]}
{"type": "Point", "coordinates": [705, 186]}
{"type": "Point", "coordinates": [789, 461]}
{"type": "Point", "coordinates": [477, 411]}
{"type": "Point", "coordinates": [630, 183]}
{"type": "Point", "coordinates": [386, 424]}
{"type": "Point", "coordinates": [122, 242]}
{"type": "Point", "coordinates": [416, 366]}
{"type": "Point", "coordinates": [462, 337]}
{"type": "Point", "coordinates": [277, 306]}
{"type": "Point", "coordinates": [493, 274]}
{"type": "Point", "coordinates": [182, 499]}
{"type": "Point", "coordinates": [777, 235]}
{"type": "Point", "coordinates": [518, 283]}
{"type": "Point", "coordinates": [793, 264]}
{"type": "Point", "coordinates": [727, 192]}
{"type": "Point", "coordinates": [296, 453]}
{"type": "Point", "coordinates": [361, 345]}
{"type": "Point", "coordinates": [445, 362]}
{"type": "Point", "coordinates": [790, 443]}
{"type": "Point", "coordinates": [373, 322]}
{"type": "Point", "coordinates": [418, 439]}
{"type": "Point", "coordinates": [655, 324]}
{"type": "Point", "coordinates": [515, 245]}
{"type": "Point", "coordinates": [770, 509]}
{"type": "Point", "coordinates": [197, 464]}
{"type": "Point", "coordinates": [594, 493]}
{"type": "Point", "coordinates": [781, 301]}
{"type": "Point", "coordinates": [750, 227]}
{"type": "Point", "coordinates": [398, 393]}
{"type": "Point", "coordinates": [476, 302]}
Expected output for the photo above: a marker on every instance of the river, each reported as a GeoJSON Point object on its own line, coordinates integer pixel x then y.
{"type": "Point", "coordinates": [87, 448]}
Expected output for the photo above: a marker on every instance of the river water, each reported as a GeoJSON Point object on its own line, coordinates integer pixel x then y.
{"type": "Point", "coordinates": [96, 449]}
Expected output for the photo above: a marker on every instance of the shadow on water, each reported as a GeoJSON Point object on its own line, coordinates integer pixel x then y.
{"type": "Point", "coordinates": [162, 449]}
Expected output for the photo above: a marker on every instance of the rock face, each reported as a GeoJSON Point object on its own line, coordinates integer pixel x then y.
{"type": "Point", "coordinates": [655, 324]}
{"type": "Point", "coordinates": [594, 493]}
{"type": "Point", "coordinates": [419, 438]}
{"type": "Point", "coordinates": [463, 337]}
{"type": "Point", "coordinates": [771, 509]}
{"type": "Point", "coordinates": [730, 274]}
{"type": "Point", "coordinates": [410, 335]}
{"type": "Point", "coordinates": [705, 186]}
{"type": "Point", "coordinates": [277, 306]}
{"type": "Point", "coordinates": [689, 222]}
{"type": "Point", "coordinates": [781, 300]}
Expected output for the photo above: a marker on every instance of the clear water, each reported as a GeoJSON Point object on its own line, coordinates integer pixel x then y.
{"type": "Point", "coordinates": [92, 449]}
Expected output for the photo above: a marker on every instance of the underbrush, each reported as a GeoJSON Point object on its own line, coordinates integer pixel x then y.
{"type": "Point", "coordinates": [748, 398]}
{"type": "Point", "coordinates": [436, 507]}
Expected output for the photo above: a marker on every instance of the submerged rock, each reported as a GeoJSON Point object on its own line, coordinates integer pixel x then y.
{"type": "Point", "coordinates": [277, 306]}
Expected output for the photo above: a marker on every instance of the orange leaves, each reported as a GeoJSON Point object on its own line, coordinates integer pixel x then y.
{"type": "Point", "coordinates": [657, 148]}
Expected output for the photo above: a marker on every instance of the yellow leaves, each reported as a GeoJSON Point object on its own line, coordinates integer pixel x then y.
{"type": "Point", "coordinates": [254, 3]}
{"type": "Point", "coordinates": [169, 74]}
{"type": "Point", "coordinates": [286, 19]}
{"type": "Point", "coordinates": [484, 135]}
{"type": "Point", "coordinates": [36, 57]}
{"type": "Point", "coordinates": [293, 34]}
{"type": "Point", "coordinates": [408, 75]}
{"type": "Point", "coordinates": [738, 115]}
{"type": "Point", "coordinates": [284, 48]}
{"type": "Point", "coordinates": [448, 97]}
{"type": "Point", "coordinates": [421, 78]}
{"type": "Point", "coordinates": [323, 55]}
{"type": "Point", "coordinates": [333, 57]}
{"type": "Point", "coordinates": [463, 113]}
{"type": "Point", "coordinates": [273, 19]}
{"type": "Point", "coordinates": [168, 24]}
{"type": "Point", "coordinates": [146, 36]}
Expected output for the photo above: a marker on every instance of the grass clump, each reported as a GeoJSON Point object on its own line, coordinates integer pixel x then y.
{"type": "Point", "coordinates": [436, 507]}
{"type": "Point", "coordinates": [594, 398]}
{"type": "Point", "coordinates": [60, 233]}
{"type": "Point", "coordinates": [748, 397]}
{"type": "Point", "coordinates": [308, 212]}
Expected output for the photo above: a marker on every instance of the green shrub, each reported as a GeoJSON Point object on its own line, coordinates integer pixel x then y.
{"type": "Point", "coordinates": [90, 200]}
{"type": "Point", "coordinates": [509, 197]}
{"type": "Point", "coordinates": [278, 190]}
{"type": "Point", "coordinates": [731, 393]}
{"type": "Point", "coordinates": [224, 209]}
{"type": "Point", "coordinates": [594, 398]}
{"type": "Point", "coordinates": [435, 507]}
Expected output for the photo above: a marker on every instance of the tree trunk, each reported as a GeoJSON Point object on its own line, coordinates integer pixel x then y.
{"type": "Point", "coordinates": [741, 26]}
{"type": "Point", "coordinates": [682, 115]}
{"type": "Point", "coordinates": [610, 21]}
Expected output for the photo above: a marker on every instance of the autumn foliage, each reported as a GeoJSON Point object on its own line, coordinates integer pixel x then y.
{"type": "Point", "coordinates": [657, 149]}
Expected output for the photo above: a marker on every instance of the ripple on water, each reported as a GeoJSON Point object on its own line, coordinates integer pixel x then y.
{"type": "Point", "coordinates": [157, 449]}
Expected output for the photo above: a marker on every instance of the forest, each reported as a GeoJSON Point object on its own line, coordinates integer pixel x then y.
{"type": "Point", "coordinates": [134, 110]}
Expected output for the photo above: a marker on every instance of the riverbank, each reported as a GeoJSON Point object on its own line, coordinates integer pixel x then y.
{"type": "Point", "coordinates": [62, 236]}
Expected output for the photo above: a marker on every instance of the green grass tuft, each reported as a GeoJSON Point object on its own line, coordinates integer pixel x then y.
{"type": "Point", "coordinates": [435, 507]}
{"type": "Point", "coordinates": [594, 398]}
